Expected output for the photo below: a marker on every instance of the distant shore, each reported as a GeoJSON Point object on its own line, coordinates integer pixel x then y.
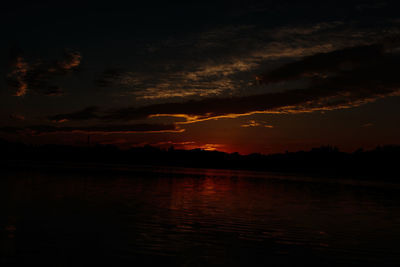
{"type": "Point", "coordinates": [111, 169]}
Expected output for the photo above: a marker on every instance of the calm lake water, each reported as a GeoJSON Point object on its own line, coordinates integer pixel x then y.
{"type": "Point", "coordinates": [185, 217]}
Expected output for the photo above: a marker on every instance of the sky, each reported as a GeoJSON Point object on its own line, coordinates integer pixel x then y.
{"type": "Point", "coordinates": [234, 76]}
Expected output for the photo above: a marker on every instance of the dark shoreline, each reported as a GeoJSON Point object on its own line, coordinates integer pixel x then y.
{"type": "Point", "coordinates": [110, 169]}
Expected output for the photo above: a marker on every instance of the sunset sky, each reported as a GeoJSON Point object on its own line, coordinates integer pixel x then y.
{"type": "Point", "coordinates": [235, 76]}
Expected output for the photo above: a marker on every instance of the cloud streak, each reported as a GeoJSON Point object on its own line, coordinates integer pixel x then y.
{"type": "Point", "coordinates": [253, 123]}
{"type": "Point", "coordinates": [99, 129]}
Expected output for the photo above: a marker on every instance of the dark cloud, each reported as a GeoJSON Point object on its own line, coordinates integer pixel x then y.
{"type": "Point", "coordinates": [99, 129]}
{"type": "Point", "coordinates": [37, 76]}
{"type": "Point", "coordinates": [322, 64]}
{"type": "Point", "coordinates": [351, 80]}
{"type": "Point", "coordinates": [85, 114]}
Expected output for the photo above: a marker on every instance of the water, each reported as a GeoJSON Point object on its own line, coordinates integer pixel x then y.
{"type": "Point", "coordinates": [195, 218]}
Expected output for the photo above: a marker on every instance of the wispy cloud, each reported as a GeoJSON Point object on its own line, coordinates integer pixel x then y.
{"type": "Point", "coordinates": [37, 75]}
{"type": "Point", "coordinates": [72, 59]}
{"type": "Point", "coordinates": [204, 82]}
{"type": "Point", "coordinates": [17, 77]}
{"type": "Point", "coordinates": [211, 147]}
{"type": "Point", "coordinates": [253, 123]}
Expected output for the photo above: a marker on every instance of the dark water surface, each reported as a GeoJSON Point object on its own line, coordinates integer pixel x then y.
{"type": "Point", "coordinates": [195, 218]}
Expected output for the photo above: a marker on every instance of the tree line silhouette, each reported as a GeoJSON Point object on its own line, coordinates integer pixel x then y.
{"type": "Point", "coordinates": [381, 162]}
